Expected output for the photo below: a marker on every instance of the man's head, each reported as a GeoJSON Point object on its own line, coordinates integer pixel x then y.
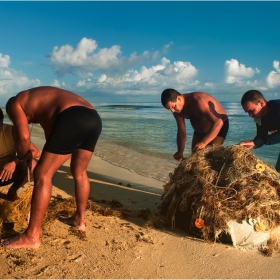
{"type": "Point", "coordinates": [254, 103]}
{"type": "Point", "coordinates": [8, 104]}
{"type": "Point", "coordinates": [172, 100]}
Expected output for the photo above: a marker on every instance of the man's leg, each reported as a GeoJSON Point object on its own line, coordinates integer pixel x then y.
{"type": "Point", "coordinates": [79, 163]}
{"type": "Point", "coordinates": [43, 174]}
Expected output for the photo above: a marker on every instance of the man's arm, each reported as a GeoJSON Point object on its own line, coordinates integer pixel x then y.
{"type": "Point", "coordinates": [249, 144]}
{"type": "Point", "coordinates": [258, 141]}
{"type": "Point", "coordinates": [8, 170]}
{"type": "Point", "coordinates": [34, 151]}
{"type": "Point", "coordinates": [213, 117]}
{"type": "Point", "coordinates": [21, 129]}
{"type": "Point", "coordinates": [274, 137]}
{"type": "Point", "coordinates": [181, 137]}
{"type": "Point", "coordinates": [262, 137]}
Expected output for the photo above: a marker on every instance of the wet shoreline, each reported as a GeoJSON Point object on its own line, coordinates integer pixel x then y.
{"type": "Point", "coordinates": [136, 162]}
{"type": "Point", "coordinates": [143, 164]}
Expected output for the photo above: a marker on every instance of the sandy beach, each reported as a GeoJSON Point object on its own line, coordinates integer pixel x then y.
{"type": "Point", "coordinates": [123, 246]}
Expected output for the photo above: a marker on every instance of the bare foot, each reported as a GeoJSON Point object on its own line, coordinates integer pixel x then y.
{"type": "Point", "coordinates": [70, 221]}
{"type": "Point", "coordinates": [20, 241]}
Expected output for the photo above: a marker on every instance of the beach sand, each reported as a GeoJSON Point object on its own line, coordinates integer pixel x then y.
{"type": "Point", "coordinates": [124, 247]}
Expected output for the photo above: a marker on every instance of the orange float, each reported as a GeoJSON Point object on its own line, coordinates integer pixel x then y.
{"type": "Point", "coordinates": [199, 223]}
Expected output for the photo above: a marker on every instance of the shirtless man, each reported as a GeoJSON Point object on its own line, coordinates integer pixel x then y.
{"type": "Point", "coordinates": [13, 171]}
{"type": "Point", "coordinates": [72, 127]}
{"type": "Point", "coordinates": [207, 117]}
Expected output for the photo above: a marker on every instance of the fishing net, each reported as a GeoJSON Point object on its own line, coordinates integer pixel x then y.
{"type": "Point", "coordinates": [14, 215]}
{"type": "Point", "coordinates": [216, 186]}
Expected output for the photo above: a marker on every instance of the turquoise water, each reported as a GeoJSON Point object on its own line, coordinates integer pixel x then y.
{"type": "Point", "coordinates": [149, 128]}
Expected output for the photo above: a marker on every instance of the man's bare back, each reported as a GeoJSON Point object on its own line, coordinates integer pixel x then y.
{"type": "Point", "coordinates": [43, 104]}
{"type": "Point", "coordinates": [72, 128]}
{"type": "Point", "coordinates": [197, 108]}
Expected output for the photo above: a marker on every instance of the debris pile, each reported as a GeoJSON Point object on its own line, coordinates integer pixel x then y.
{"type": "Point", "coordinates": [226, 194]}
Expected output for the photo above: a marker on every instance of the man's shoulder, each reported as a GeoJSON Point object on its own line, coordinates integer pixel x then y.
{"type": "Point", "coordinates": [197, 95]}
{"type": "Point", "coordinates": [273, 103]}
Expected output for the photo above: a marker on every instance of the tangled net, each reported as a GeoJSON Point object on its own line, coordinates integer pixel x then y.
{"type": "Point", "coordinates": [220, 184]}
{"type": "Point", "coordinates": [14, 215]}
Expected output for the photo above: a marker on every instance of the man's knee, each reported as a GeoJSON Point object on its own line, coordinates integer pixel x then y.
{"type": "Point", "coordinates": [40, 175]}
{"type": "Point", "coordinates": [79, 175]}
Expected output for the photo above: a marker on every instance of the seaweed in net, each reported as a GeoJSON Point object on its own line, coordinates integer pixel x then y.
{"type": "Point", "coordinates": [219, 184]}
{"type": "Point", "coordinates": [16, 212]}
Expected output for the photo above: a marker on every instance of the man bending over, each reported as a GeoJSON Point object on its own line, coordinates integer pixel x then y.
{"type": "Point", "coordinates": [72, 127]}
{"type": "Point", "coordinates": [207, 117]}
{"type": "Point", "coordinates": [266, 115]}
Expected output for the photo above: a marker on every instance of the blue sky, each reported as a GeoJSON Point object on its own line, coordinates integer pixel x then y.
{"type": "Point", "coordinates": [131, 51]}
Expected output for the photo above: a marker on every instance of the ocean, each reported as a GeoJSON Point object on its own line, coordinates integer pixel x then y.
{"type": "Point", "coordinates": [150, 129]}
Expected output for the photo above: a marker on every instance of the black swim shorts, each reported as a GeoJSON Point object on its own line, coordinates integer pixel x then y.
{"type": "Point", "coordinates": [223, 132]}
{"type": "Point", "coordinates": [76, 127]}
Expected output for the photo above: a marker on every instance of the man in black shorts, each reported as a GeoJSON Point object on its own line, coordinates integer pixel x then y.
{"type": "Point", "coordinates": [72, 127]}
{"type": "Point", "coordinates": [223, 132]}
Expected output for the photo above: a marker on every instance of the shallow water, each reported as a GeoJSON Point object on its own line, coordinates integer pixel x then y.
{"type": "Point", "coordinates": [141, 137]}
{"type": "Point", "coordinates": [151, 129]}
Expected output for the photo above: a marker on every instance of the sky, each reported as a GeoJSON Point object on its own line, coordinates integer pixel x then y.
{"type": "Point", "coordinates": [121, 51]}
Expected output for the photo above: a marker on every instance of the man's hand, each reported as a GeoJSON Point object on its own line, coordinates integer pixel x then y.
{"type": "Point", "coordinates": [249, 144]}
{"type": "Point", "coordinates": [199, 146]}
{"type": "Point", "coordinates": [8, 171]}
{"type": "Point", "coordinates": [178, 156]}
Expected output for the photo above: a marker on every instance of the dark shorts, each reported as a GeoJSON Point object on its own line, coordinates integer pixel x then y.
{"type": "Point", "coordinates": [76, 127]}
{"type": "Point", "coordinates": [223, 132]}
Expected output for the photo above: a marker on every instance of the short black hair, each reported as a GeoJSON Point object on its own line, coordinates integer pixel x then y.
{"type": "Point", "coordinates": [1, 114]}
{"type": "Point", "coordinates": [252, 95]}
{"type": "Point", "coordinates": [169, 94]}
{"type": "Point", "coordinates": [8, 103]}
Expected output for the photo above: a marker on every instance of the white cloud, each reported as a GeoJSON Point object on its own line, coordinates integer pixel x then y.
{"type": "Point", "coordinates": [273, 78]}
{"type": "Point", "coordinates": [109, 71]}
{"type": "Point", "coordinates": [55, 83]}
{"type": "Point", "coordinates": [4, 61]}
{"type": "Point", "coordinates": [166, 47]}
{"type": "Point", "coordinates": [102, 78]}
{"type": "Point", "coordinates": [236, 73]}
{"type": "Point", "coordinates": [88, 57]}
{"type": "Point", "coordinates": [12, 81]}
{"type": "Point", "coordinates": [147, 79]}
